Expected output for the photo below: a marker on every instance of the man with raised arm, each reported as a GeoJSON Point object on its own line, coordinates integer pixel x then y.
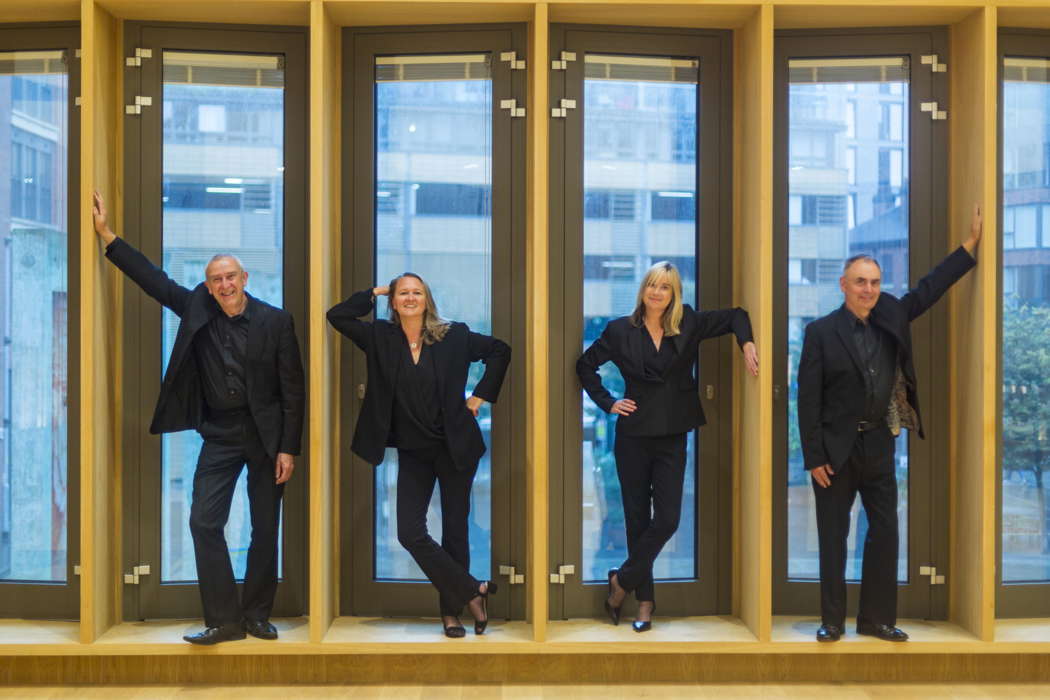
{"type": "Point", "coordinates": [856, 390]}
{"type": "Point", "coordinates": [236, 377]}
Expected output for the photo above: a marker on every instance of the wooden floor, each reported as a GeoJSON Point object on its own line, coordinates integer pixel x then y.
{"type": "Point", "coordinates": [658, 691]}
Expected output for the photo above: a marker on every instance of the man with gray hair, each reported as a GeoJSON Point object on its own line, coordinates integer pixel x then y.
{"type": "Point", "coordinates": [236, 377]}
{"type": "Point", "coordinates": [856, 389]}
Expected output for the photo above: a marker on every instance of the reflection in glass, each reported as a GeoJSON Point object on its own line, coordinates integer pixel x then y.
{"type": "Point", "coordinates": [33, 312]}
{"type": "Point", "coordinates": [640, 207]}
{"type": "Point", "coordinates": [433, 216]}
{"type": "Point", "coordinates": [847, 194]}
{"type": "Point", "coordinates": [223, 192]}
{"type": "Point", "coordinates": [1026, 321]}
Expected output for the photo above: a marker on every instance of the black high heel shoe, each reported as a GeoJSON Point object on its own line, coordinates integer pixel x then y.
{"type": "Point", "coordinates": [644, 625]}
{"type": "Point", "coordinates": [614, 613]}
{"type": "Point", "coordinates": [490, 588]}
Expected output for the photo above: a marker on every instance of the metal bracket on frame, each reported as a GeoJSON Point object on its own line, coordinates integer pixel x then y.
{"type": "Point", "coordinates": [931, 571]}
{"type": "Point", "coordinates": [136, 571]}
{"type": "Point", "coordinates": [76, 569]}
{"type": "Point", "coordinates": [932, 61]}
{"type": "Point", "coordinates": [140, 102]}
{"type": "Point", "coordinates": [511, 57]}
{"type": "Point", "coordinates": [512, 107]}
{"type": "Point", "coordinates": [513, 577]}
{"type": "Point", "coordinates": [563, 571]}
{"type": "Point", "coordinates": [562, 63]}
{"type": "Point", "coordinates": [140, 54]}
{"type": "Point", "coordinates": [562, 110]}
{"type": "Point", "coordinates": [935, 112]}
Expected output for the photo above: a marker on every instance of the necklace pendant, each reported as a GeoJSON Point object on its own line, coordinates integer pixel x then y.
{"type": "Point", "coordinates": [413, 345]}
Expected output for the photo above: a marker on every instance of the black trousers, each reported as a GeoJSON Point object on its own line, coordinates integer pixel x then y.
{"type": "Point", "coordinates": [229, 444]}
{"type": "Point", "coordinates": [446, 565]}
{"type": "Point", "coordinates": [870, 471]}
{"type": "Point", "coordinates": [652, 474]}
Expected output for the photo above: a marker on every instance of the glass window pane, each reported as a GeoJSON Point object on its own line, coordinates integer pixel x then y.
{"type": "Point", "coordinates": [223, 192]}
{"type": "Point", "coordinates": [640, 158]}
{"type": "Point", "coordinates": [1026, 322]}
{"type": "Point", "coordinates": [434, 217]}
{"type": "Point", "coordinates": [33, 312]}
{"type": "Point", "coordinates": [854, 199]}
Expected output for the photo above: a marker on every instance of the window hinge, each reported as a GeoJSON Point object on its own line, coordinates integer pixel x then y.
{"type": "Point", "coordinates": [140, 54]}
{"type": "Point", "coordinates": [140, 102]}
{"type": "Point", "coordinates": [511, 57]}
{"type": "Point", "coordinates": [76, 569]}
{"type": "Point", "coordinates": [562, 63]}
{"type": "Point", "coordinates": [563, 571]}
{"type": "Point", "coordinates": [136, 571]}
{"type": "Point", "coordinates": [512, 107]}
{"type": "Point", "coordinates": [360, 391]}
{"type": "Point", "coordinates": [77, 100]}
{"type": "Point", "coordinates": [710, 391]}
{"type": "Point", "coordinates": [776, 392]}
{"type": "Point", "coordinates": [513, 577]}
{"type": "Point", "coordinates": [78, 53]}
{"type": "Point", "coordinates": [933, 109]}
{"type": "Point", "coordinates": [932, 60]}
{"type": "Point", "coordinates": [563, 108]}
{"type": "Point", "coordinates": [931, 571]}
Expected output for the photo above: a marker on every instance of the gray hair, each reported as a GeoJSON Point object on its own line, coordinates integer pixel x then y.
{"type": "Point", "coordinates": [223, 256]}
{"type": "Point", "coordinates": [857, 258]}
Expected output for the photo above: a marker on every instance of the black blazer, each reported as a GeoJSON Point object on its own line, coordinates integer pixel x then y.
{"type": "Point", "coordinates": [382, 342]}
{"type": "Point", "coordinates": [831, 392]}
{"type": "Point", "coordinates": [670, 404]}
{"type": "Point", "coordinates": [276, 386]}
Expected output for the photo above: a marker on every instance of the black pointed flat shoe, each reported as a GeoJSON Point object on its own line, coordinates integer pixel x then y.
{"type": "Point", "coordinates": [644, 625]}
{"type": "Point", "coordinates": [214, 635]}
{"type": "Point", "coordinates": [455, 631]}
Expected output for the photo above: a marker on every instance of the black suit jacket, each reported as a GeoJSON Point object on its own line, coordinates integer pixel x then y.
{"type": "Point", "coordinates": [275, 383]}
{"type": "Point", "coordinates": [831, 391]}
{"type": "Point", "coordinates": [382, 342]}
{"type": "Point", "coordinates": [670, 404]}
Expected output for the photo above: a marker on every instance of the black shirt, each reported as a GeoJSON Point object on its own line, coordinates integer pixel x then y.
{"type": "Point", "coordinates": [656, 361]}
{"type": "Point", "coordinates": [878, 357]}
{"type": "Point", "coordinates": [418, 421]}
{"type": "Point", "coordinates": [221, 350]}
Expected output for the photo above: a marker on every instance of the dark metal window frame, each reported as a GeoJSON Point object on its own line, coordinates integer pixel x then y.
{"type": "Point", "coordinates": [143, 174]}
{"type": "Point", "coordinates": [711, 593]}
{"type": "Point", "coordinates": [1011, 599]}
{"type": "Point", "coordinates": [59, 600]}
{"type": "Point", "coordinates": [360, 594]}
{"type": "Point", "coordinates": [929, 241]}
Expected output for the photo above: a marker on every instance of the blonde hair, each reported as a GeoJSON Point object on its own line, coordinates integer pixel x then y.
{"type": "Point", "coordinates": [672, 318]}
{"type": "Point", "coordinates": [434, 327]}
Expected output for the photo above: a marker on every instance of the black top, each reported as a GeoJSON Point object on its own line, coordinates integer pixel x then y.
{"type": "Point", "coordinates": [417, 420]}
{"type": "Point", "coordinates": [221, 352]}
{"type": "Point", "coordinates": [656, 362]}
{"type": "Point", "coordinates": [878, 357]}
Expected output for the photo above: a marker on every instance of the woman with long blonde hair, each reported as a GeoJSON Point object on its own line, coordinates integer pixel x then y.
{"type": "Point", "coordinates": [417, 373]}
{"type": "Point", "coordinates": [655, 348]}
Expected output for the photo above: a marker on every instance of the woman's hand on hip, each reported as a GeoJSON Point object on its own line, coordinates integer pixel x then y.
{"type": "Point", "coordinates": [623, 407]}
{"type": "Point", "coordinates": [474, 405]}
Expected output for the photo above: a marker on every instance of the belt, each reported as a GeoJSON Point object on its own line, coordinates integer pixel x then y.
{"type": "Point", "coordinates": [866, 425]}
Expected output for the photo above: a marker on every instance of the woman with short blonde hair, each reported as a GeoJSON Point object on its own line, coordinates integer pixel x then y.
{"type": "Point", "coordinates": [655, 349]}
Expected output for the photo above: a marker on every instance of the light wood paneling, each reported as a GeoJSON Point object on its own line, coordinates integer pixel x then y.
{"type": "Point", "coordinates": [323, 285]}
{"type": "Point", "coordinates": [35, 11]}
{"type": "Point", "coordinates": [973, 352]}
{"type": "Point", "coordinates": [101, 153]}
{"type": "Point", "coordinates": [819, 15]}
{"type": "Point", "coordinates": [287, 12]}
{"type": "Point", "coordinates": [537, 334]}
{"type": "Point", "coordinates": [375, 13]}
{"type": "Point", "coordinates": [672, 14]}
{"type": "Point", "coordinates": [752, 276]}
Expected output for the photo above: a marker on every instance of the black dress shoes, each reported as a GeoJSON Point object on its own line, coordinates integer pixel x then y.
{"type": "Point", "coordinates": [642, 625]}
{"type": "Point", "coordinates": [260, 629]}
{"type": "Point", "coordinates": [829, 633]}
{"type": "Point", "coordinates": [214, 635]}
{"type": "Point", "coordinates": [886, 632]}
{"type": "Point", "coordinates": [490, 589]}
